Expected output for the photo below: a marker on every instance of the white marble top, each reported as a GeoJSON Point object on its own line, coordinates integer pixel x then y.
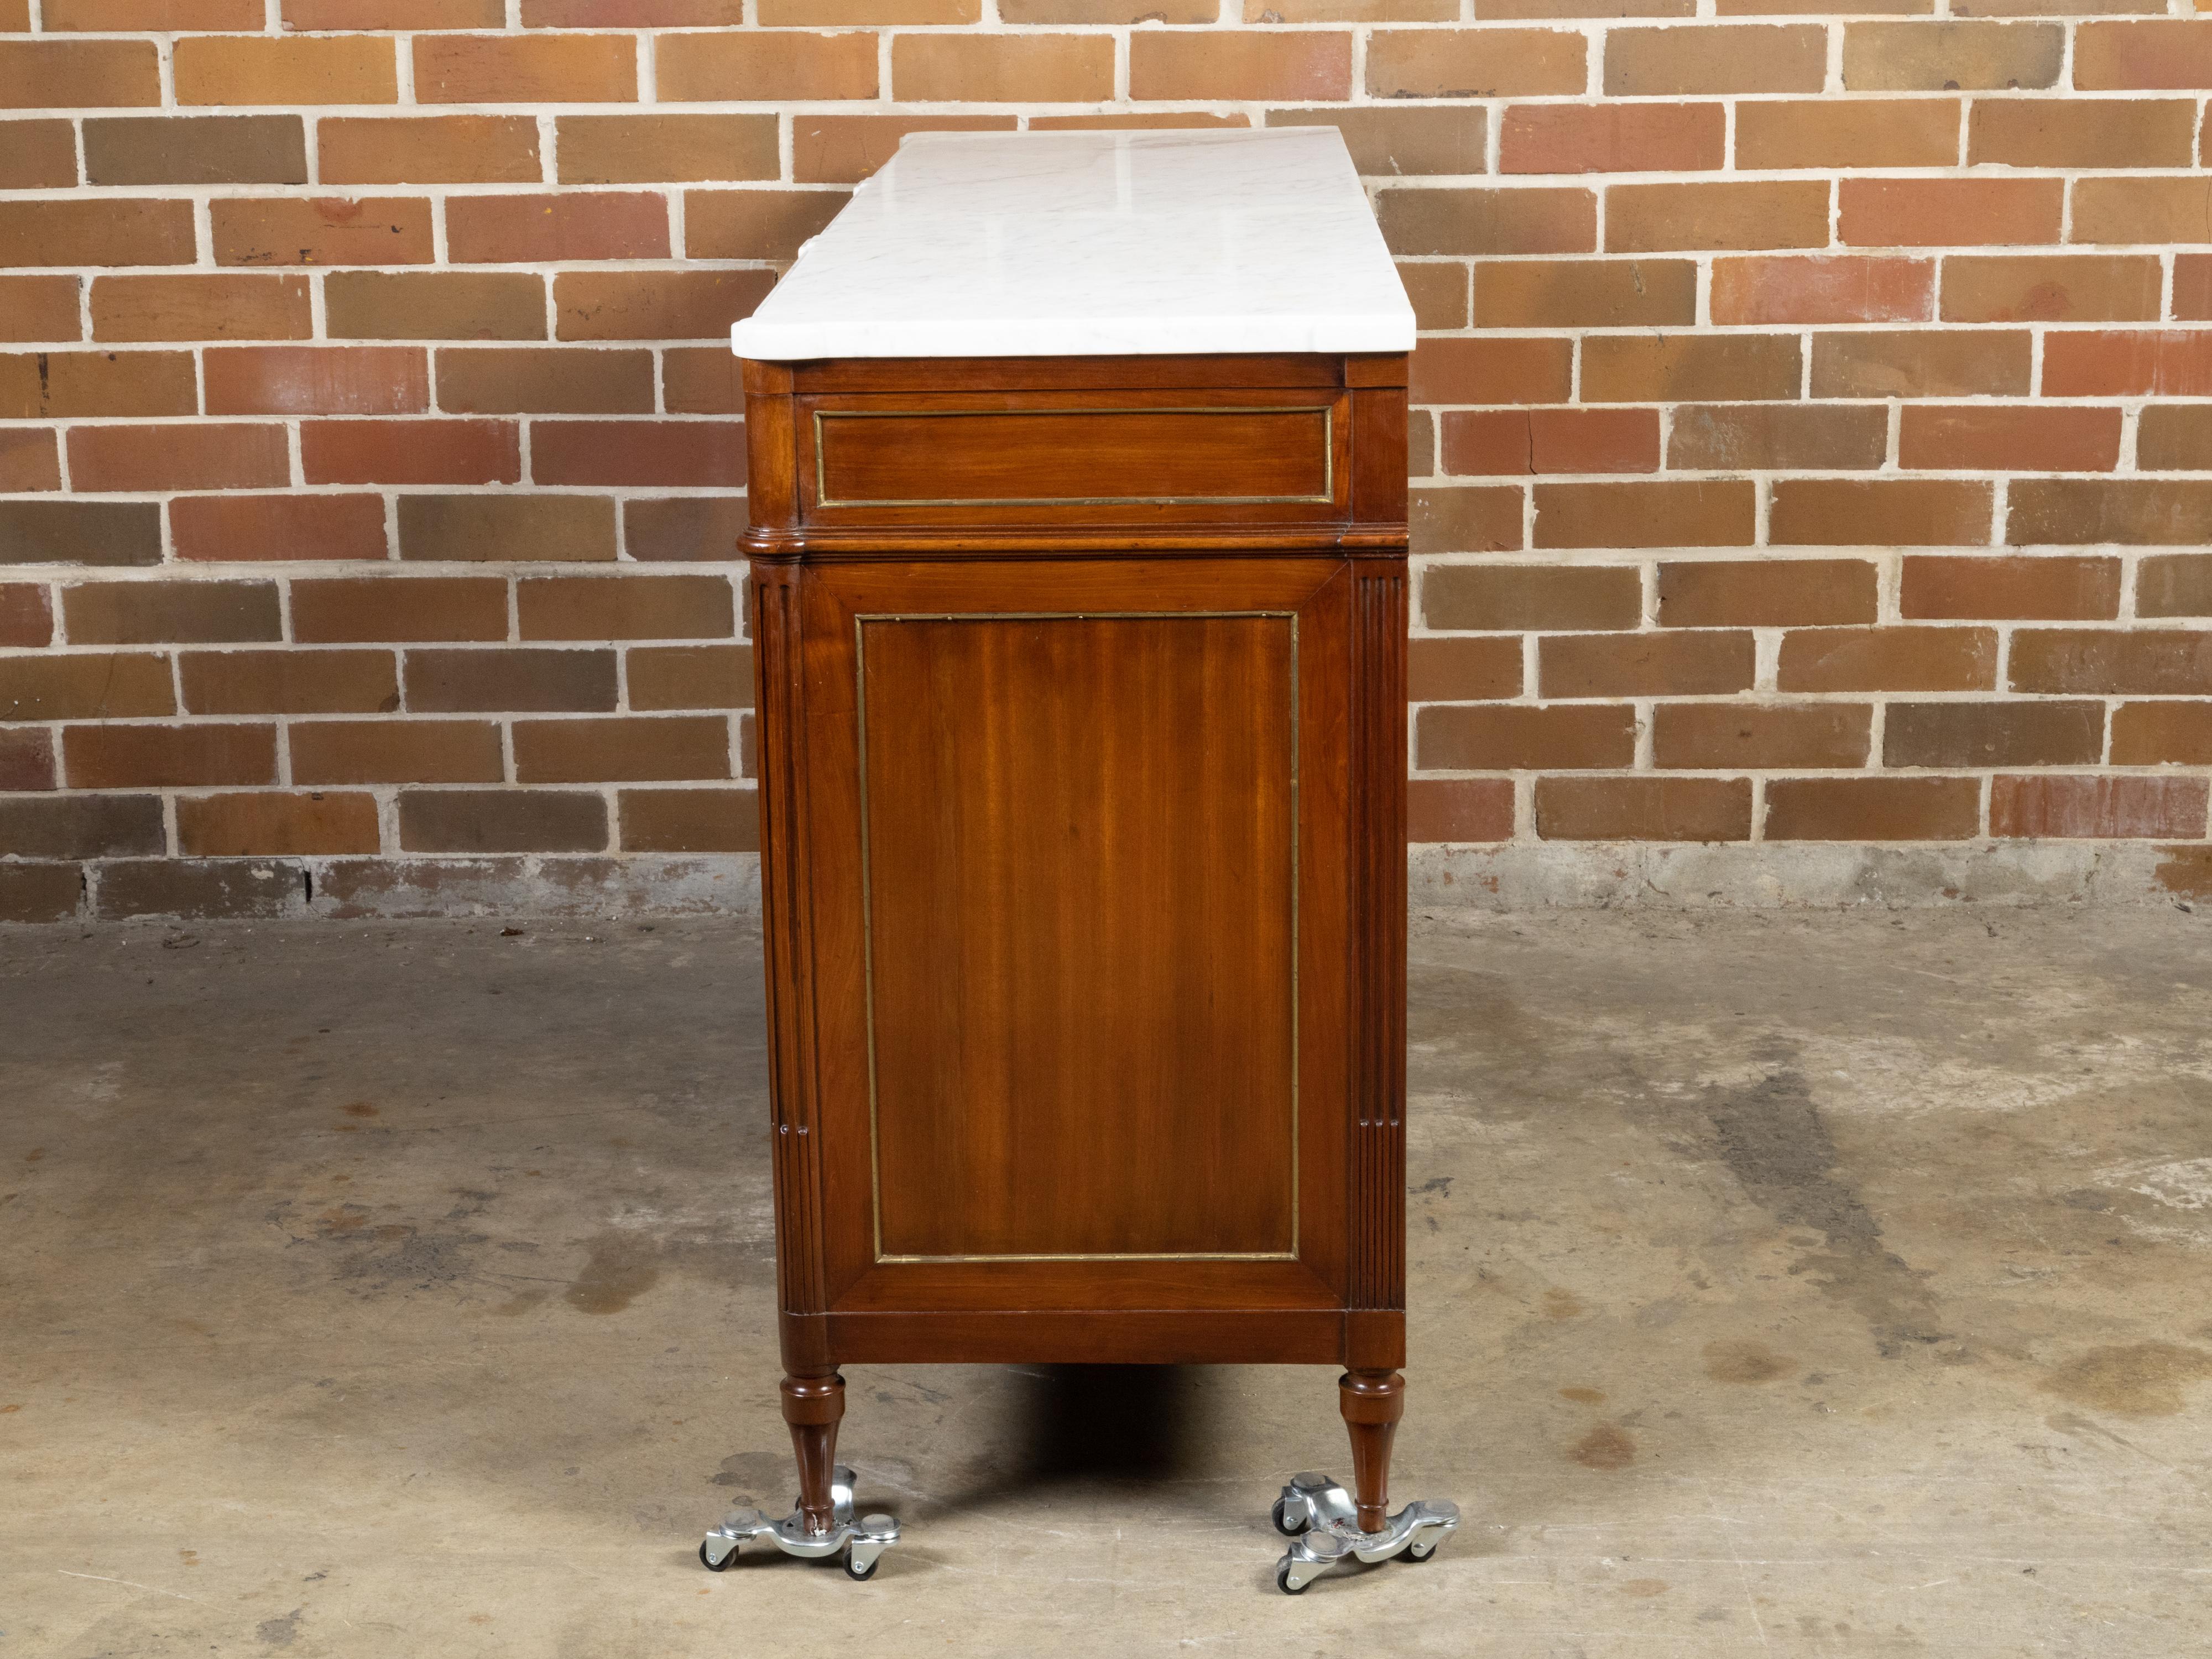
{"type": "Point", "coordinates": [1059, 244]}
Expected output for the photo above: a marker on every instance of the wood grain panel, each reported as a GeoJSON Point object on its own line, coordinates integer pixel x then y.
{"type": "Point", "coordinates": [1081, 837]}
{"type": "Point", "coordinates": [1039, 457]}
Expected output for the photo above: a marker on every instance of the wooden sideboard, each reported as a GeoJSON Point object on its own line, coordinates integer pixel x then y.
{"type": "Point", "coordinates": [1082, 754]}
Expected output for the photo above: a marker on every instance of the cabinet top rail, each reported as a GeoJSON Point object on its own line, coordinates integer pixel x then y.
{"type": "Point", "coordinates": [1065, 244]}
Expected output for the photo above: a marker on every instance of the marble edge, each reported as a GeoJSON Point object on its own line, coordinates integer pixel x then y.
{"type": "Point", "coordinates": [772, 342]}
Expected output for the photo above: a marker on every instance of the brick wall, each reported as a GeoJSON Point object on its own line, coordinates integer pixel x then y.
{"type": "Point", "coordinates": [1806, 449]}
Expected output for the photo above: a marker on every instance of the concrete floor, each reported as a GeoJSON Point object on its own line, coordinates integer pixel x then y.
{"type": "Point", "coordinates": [1782, 1283]}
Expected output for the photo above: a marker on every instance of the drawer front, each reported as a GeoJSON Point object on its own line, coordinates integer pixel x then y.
{"type": "Point", "coordinates": [1275, 457]}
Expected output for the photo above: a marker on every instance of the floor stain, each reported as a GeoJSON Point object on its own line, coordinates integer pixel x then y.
{"type": "Point", "coordinates": [757, 1475]}
{"type": "Point", "coordinates": [622, 1267]}
{"type": "Point", "coordinates": [361, 1109]}
{"type": "Point", "coordinates": [1583, 1396]}
{"type": "Point", "coordinates": [1744, 1361]}
{"type": "Point", "coordinates": [1645, 1587]}
{"type": "Point", "coordinates": [1773, 1139]}
{"type": "Point", "coordinates": [1562, 1304]}
{"type": "Point", "coordinates": [1605, 1447]}
{"type": "Point", "coordinates": [281, 1632]}
{"type": "Point", "coordinates": [2142, 1379]}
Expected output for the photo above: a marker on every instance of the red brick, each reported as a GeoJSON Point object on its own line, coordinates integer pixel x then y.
{"type": "Point", "coordinates": [1747, 57]}
{"type": "Point", "coordinates": [85, 686]}
{"type": "Point", "coordinates": [2012, 733]}
{"type": "Point", "coordinates": [756, 224]}
{"type": "Point", "coordinates": [1514, 737]}
{"type": "Point", "coordinates": [2127, 362]}
{"type": "Point", "coordinates": [1527, 220]}
{"type": "Point", "coordinates": [395, 751]}
{"type": "Point", "coordinates": [1522, 597]}
{"type": "Point", "coordinates": [1675, 663]}
{"type": "Point", "coordinates": [655, 304]}
{"type": "Point", "coordinates": [2060, 512]}
{"type": "Point", "coordinates": [116, 756]}
{"type": "Point", "coordinates": [318, 380]}
{"type": "Point", "coordinates": [1437, 292]}
{"type": "Point", "coordinates": [543, 230]}
{"type": "Point", "coordinates": [1847, 132]}
{"type": "Point", "coordinates": [1998, 586]}
{"type": "Point", "coordinates": [1405, 140]}
{"type": "Point", "coordinates": [1873, 808]}
{"type": "Point", "coordinates": [1888, 660]}
{"type": "Point", "coordinates": [81, 533]}
{"type": "Point", "coordinates": [2010, 439]}
{"type": "Point", "coordinates": [2051, 289]}
{"type": "Point", "coordinates": [625, 608]}
{"type": "Point", "coordinates": [1492, 369]}
{"type": "Point", "coordinates": [1465, 520]}
{"type": "Point", "coordinates": [2054, 132]}
{"type": "Point", "coordinates": [2139, 209]}
{"type": "Point", "coordinates": [1610, 138]}
{"type": "Point", "coordinates": [690, 677]}
{"type": "Point", "coordinates": [207, 306]}
{"type": "Point", "coordinates": [234, 528]}
{"type": "Point", "coordinates": [2192, 284]}
{"type": "Point", "coordinates": [1522, 441]}
{"type": "Point", "coordinates": [621, 149]}
{"type": "Point", "coordinates": [1468, 64]}
{"type": "Point", "coordinates": [694, 820]}
{"type": "Point", "coordinates": [660, 747]}
{"type": "Point", "coordinates": [42, 156]}
{"type": "Point", "coordinates": [1585, 293]}
{"type": "Point", "coordinates": [1463, 670]}
{"type": "Point", "coordinates": [1823, 289]}
{"type": "Point", "coordinates": [1934, 57]}
{"type": "Point", "coordinates": [2126, 56]}
{"type": "Point", "coordinates": [2174, 584]}
{"type": "Point", "coordinates": [843, 149]}
{"type": "Point", "coordinates": [545, 380]}
{"type": "Point", "coordinates": [1731, 437]}
{"type": "Point", "coordinates": [702, 381]}
{"type": "Point", "coordinates": [152, 16]}
{"type": "Point", "coordinates": [110, 231]}
{"type": "Point", "coordinates": [347, 610]}
{"type": "Point", "coordinates": [2164, 733]}
{"type": "Point", "coordinates": [683, 527]}
{"type": "Point", "coordinates": [336, 15]}
{"type": "Point", "coordinates": [60, 385]}
{"type": "Point", "coordinates": [1303, 66]}
{"type": "Point", "coordinates": [194, 149]}
{"type": "Point", "coordinates": [80, 826]}
{"type": "Point", "coordinates": [229, 456]}
{"type": "Point", "coordinates": [1921, 363]}
{"type": "Point", "coordinates": [630, 14]}
{"type": "Point", "coordinates": [190, 611]}
{"type": "Point", "coordinates": [1726, 737]}
{"type": "Point", "coordinates": [548, 68]}
{"type": "Point", "coordinates": [26, 614]}
{"type": "Point", "coordinates": [78, 74]}
{"type": "Point", "coordinates": [289, 681]}
{"type": "Point", "coordinates": [2079, 808]}
{"type": "Point", "coordinates": [1644, 809]}
{"type": "Point", "coordinates": [323, 230]}
{"type": "Point", "coordinates": [505, 679]}
{"type": "Point", "coordinates": [245, 69]}
{"type": "Point", "coordinates": [2174, 437]}
{"type": "Point", "coordinates": [1653, 367]}
{"type": "Point", "coordinates": [1765, 593]}
{"type": "Point", "coordinates": [750, 65]}
{"type": "Point", "coordinates": [673, 453]}
{"type": "Point", "coordinates": [35, 308]}
{"type": "Point", "coordinates": [444, 305]}
{"type": "Point", "coordinates": [472, 149]}
{"type": "Point", "coordinates": [2146, 662]}
{"type": "Point", "coordinates": [535, 526]}
{"type": "Point", "coordinates": [1949, 212]}
{"type": "Point", "coordinates": [262, 822]}
{"type": "Point", "coordinates": [502, 821]}
{"type": "Point", "coordinates": [1887, 512]}
{"type": "Point", "coordinates": [1459, 810]}
{"type": "Point", "coordinates": [419, 452]}
{"type": "Point", "coordinates": [29, 460]}
{"type": "Point", "coordinates": [1079, 69]}
{"type": "Point", "coordinates": [26, 763]}
{"type": "Point", "coordinates": [1686, 514]}
{"type": "Point", "coordinates": [1761, 214]}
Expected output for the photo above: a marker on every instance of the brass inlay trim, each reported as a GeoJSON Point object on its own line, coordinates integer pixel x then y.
{"type": "Point", "coordinates": [868, 927]}
{"type": "Point", "coordinates": [1326, 411]}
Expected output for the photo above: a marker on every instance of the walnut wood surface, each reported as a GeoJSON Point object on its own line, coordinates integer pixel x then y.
{"type": "Point", "coordinates": [1042, 1002]}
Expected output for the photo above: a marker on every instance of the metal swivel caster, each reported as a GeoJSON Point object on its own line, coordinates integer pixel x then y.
{"type": "Point", "coordinates": [861, 1542]}
{"type": "Point", "coordinates": [1323, 1523]}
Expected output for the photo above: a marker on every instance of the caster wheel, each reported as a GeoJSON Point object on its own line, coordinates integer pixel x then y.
{"type": "Point", "coordinates": [1282, 1525]}
{"type": "Point", "coordinates": [862, 1575]}
{"type": "Point", "coordinates": [1283, 1581]}
{"type": "Point", "coordinates": [1413, 1560]}
{"type": "Point", "coordinates": [713, 1566]}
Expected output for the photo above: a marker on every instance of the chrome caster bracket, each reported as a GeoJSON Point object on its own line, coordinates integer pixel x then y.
{"type": "Point", "coordinates": [862, 1541]}
{"type": "Point", "coordinates": [1323, 1523]}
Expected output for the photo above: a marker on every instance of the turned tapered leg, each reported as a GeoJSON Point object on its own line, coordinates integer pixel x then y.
{"type": "Point", "coordinates": [1372, 1402]}
{"type": "Point", "coordinates": [813, 1405]}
